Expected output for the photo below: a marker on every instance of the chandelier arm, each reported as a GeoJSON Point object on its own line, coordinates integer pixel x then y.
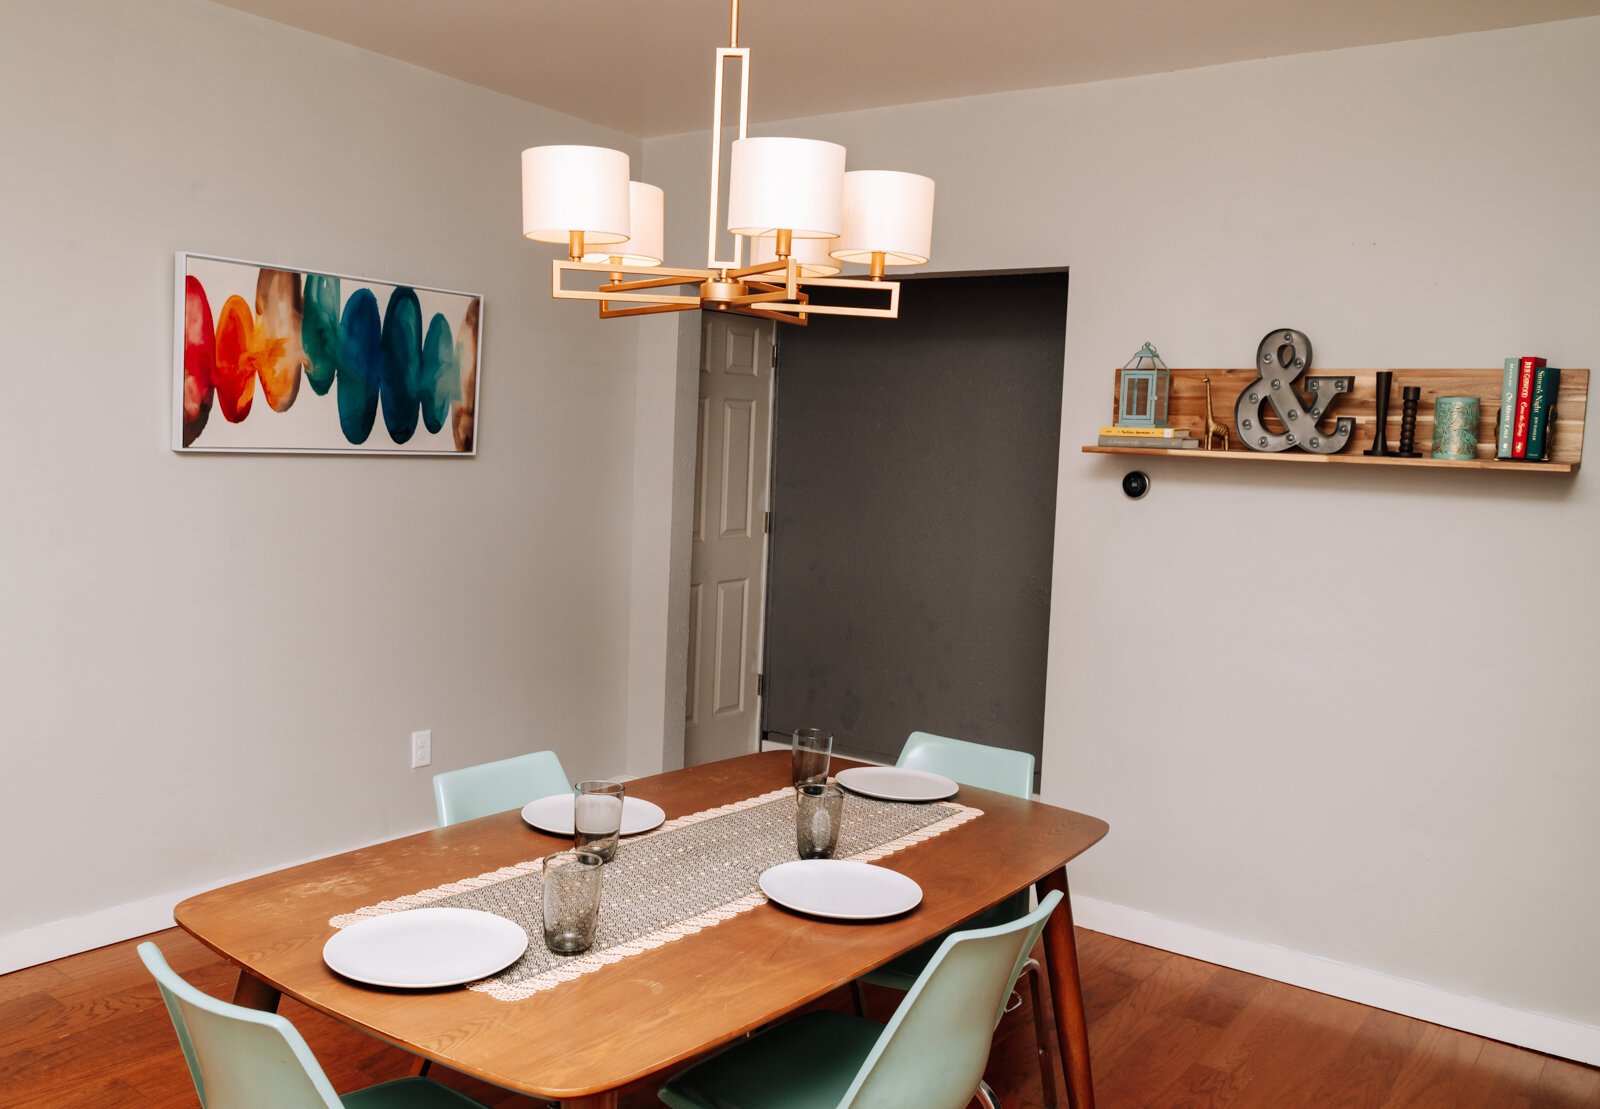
{"type": "Point", "coordinates": [687, 277]}
{"type": "Point", "coordinates": [789, 318]}
{"type": "Point", "coordinates": [758, 298]}
{"type": "Point", "coordinates": [609, 313]}
{"type": "Point", "coordinates": [833, 310]}
{"type": "Point", "coordinates": [759, 267]}
{"type": "Point", "coordinates": [851, 283]}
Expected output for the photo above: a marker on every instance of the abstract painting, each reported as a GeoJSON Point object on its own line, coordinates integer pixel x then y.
{"type": "Point", "coordinates": [391, 368]}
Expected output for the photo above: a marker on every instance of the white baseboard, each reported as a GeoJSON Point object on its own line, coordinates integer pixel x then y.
{"type": "Point", "coordinates": [60, 938]}
{"type": "Point", "coordinates": [1551, 1035]}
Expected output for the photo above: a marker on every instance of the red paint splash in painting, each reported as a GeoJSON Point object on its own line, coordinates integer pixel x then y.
{"type": "Point", "coordinates": [199, 359]}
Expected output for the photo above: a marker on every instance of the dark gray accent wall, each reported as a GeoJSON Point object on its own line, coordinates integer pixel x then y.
{"type": "Point", "coordinates": [914, 483]}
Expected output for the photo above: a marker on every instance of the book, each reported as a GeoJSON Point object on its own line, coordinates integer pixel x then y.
{"type": "Point", "coordinates": [1145, 432]}
{"type": "Point", "coordinates": [1546, 385]}
{"type": "Point", "coordinates": [1519, 430]}
{"type": "Point", "coordinates": [1508, 408]}
{"type": "Point", "coordinates": [1149, 443]}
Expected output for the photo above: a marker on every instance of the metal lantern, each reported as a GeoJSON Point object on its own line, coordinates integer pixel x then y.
{"type": "Point", "coordinates": [1146, 388]}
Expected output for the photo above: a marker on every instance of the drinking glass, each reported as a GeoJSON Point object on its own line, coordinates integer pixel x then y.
{"type": "Point", "coordinates": [571, 900]}
{"type": "Point", "coordinates": [818, 809]}
{"type": "Point", "coordinates": [811, 749]}
{"type": "Point", "coordinates": [597, 817]}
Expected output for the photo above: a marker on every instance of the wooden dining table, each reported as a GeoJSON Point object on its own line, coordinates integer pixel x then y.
{"type": "Point", "coordinates": [652, 1013]}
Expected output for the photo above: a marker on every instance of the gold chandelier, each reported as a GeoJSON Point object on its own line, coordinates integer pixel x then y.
{"type": "Point", "coordinates": [801, 213]}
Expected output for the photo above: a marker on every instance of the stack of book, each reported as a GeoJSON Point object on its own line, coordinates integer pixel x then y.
{"type": "Point", "coordinates": [1153, 438]}
{"type": "Point", "coordinates": [1527, 408]}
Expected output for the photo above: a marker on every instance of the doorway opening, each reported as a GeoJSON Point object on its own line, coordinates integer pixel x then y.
{"type": "Point", "coordinates": [907, 570]}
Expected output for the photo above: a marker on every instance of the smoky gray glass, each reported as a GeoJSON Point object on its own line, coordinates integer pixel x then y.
{"type": "Point", "coordinates": [597, 817]}
{"type": "Point", "coordinates": [571, 900]}
{"type": "Point", "coordinates": [818, 809]}
{"type": "Point", "coordinates": [811, 749]}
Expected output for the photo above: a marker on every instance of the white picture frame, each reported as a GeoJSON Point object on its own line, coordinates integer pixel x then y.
{"type": "Point", "coordinates": [274, 359]}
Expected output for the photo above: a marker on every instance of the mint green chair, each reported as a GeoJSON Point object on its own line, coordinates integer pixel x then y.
{"type": "Point", "coordinates": [930, 1055]}
{"type": "Point", "coordinates": [246, 1059]}
{"type": "Point", "coordinates": [493, 787]}
{"type": "Point", "coordinates": [992, 768]}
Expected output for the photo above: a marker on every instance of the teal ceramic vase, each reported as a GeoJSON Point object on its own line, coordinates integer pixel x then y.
{"type": "Point", "coordinates": [1455, 428]}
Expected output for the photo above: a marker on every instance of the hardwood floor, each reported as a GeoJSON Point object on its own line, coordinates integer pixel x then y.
{"type": "Point", "coordinates": [1166, 1031]}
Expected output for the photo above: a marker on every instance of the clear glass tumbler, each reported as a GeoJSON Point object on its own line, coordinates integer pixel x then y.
{"type": "Point", "coordinates": [811, 749]}
{"type": "Point", "coordinates": [597, 817]}
{"type": "Point", "coordinates": [819, 807]}
{"type": "Point", "coordinates": [571, 900]}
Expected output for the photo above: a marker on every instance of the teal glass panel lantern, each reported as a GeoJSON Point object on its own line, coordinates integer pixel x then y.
{"type": "Point", "coordinates": [1146, 389]}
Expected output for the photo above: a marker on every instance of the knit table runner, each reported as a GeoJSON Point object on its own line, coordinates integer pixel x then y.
{"type": "Point", "coordinates": [691, 873]}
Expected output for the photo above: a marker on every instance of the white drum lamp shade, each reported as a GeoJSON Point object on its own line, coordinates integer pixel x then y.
{"type": "Point", "coordinates": [575, 188]}
{"type": "Point", "coordinates": [886, 212]}
{"type": "Point", "coordinates": [646, 211]}
{"type": "Point", "coordinates": [812, 254]}
{"type": "Point", "coordinates": [790, 184]}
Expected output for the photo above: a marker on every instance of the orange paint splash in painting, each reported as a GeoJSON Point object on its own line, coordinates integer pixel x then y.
{"type": "Point", "coordinates": [244, 351]}
{"type": "Point", "coordinates": [278, 315]}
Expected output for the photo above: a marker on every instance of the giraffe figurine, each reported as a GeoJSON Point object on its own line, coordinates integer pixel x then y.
{"type": "Point", "coordinates": [1214, 431]}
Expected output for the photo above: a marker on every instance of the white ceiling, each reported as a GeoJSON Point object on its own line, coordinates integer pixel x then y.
{"type": "Point", "coordinates": [645, 66]}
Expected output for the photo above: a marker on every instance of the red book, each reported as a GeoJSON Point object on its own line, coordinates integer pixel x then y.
{"type": "Point", "coordinates": [1519, 433]}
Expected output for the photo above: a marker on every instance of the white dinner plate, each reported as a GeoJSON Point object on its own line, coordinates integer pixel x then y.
{"type": "Point", "coordinates": [895, 783]}
{"type": "Point", "coordinates": [421, 949]}
{"type": "Point", "coordinates": [840, 890]}
{"type": "Point", "coordinates": [553, 814]}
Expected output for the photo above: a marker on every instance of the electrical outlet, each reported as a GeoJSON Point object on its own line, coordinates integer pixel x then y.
{"type": "Point", "coordinates": [421, 749]}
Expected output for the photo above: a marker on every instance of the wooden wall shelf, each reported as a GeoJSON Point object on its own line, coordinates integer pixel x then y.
{"type": "Point", "coordinates": [1187, 408]}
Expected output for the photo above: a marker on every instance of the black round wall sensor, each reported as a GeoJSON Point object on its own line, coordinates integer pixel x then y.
{"type": "Point", "coordinates": [1136, 483]}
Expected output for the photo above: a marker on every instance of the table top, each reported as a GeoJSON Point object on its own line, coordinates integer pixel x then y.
{"type": "Point", "coordinates": [646, 1013]}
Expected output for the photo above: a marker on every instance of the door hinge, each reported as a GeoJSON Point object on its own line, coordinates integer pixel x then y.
{"type": "Point", "coordinates": [761, 685]}
{"type": "Point", "coordinates": [766, 523]}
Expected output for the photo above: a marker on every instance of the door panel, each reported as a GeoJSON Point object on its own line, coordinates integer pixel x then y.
{"type": "Point", "coordinates": [729, 549]}
{"type": "Point", "coordinates": [733, 614]}
{"type": "Point", "coordinates": [738, 460]}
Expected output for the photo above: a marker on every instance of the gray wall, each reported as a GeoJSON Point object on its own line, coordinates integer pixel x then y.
{"type": "Point", "coordinates": [1418, 837]}
{"type": "Point", "coordinates": [211, 664]}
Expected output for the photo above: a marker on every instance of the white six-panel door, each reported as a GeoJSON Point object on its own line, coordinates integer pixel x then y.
{"type": "Point", "coordinates": [727, 575]}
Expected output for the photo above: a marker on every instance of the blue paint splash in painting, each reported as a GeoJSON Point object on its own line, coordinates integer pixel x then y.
{"type": "Point", "coordinates": [441, 373]}
{"type": "Point", "coordinates": [402, 363]}
{"type": "Point", "coordinates": [319, 331]}
{"type": "Point", "coordinates": [361, 366]}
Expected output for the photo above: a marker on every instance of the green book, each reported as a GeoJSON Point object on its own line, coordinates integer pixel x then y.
{"type": "Point", "coordinates": [1508, 409]}
{"type": "Point", "coordinates": [1546, 384]}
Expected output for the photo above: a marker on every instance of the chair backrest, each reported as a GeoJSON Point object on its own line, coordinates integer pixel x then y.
{"type": "Point", "coordinates": [933, 1051]}
{"type": "Point", "coordinates": [493, 787]}
{"type": "Point", "coordinates": [971, 764]}
{"type": "Point", "coordinates": [239, 1058]}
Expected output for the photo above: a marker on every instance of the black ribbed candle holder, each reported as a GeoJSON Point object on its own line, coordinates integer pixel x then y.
{"type": "Point", "coordinates": [1408, 422]}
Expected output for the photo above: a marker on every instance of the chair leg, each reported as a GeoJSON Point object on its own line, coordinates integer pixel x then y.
{"type": "Point", "coordinates": [860, 997]}
{"type": "Point", "coordinates": [986, 1096]}
{"type": "Point", "coordinates": [1047, 1070]}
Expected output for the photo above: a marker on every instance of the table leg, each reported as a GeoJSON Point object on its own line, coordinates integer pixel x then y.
{"type": "Point", "coordinates": [253, 993]}
{"type": "Point", "coordinates": [607, 1100]}
{"type": "Point", "coordinates": [1066, 994]}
